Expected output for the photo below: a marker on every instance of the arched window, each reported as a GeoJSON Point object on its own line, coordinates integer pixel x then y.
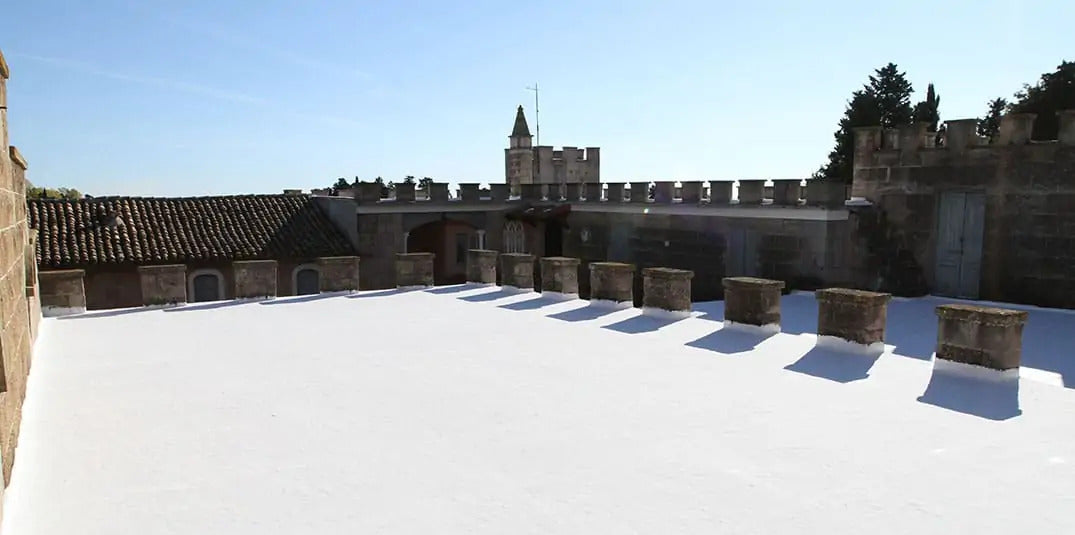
{"type": "Point", "coordinates": [306, 279]}
{"type": "Point", "coordinates": [205, 285]}
{"type": "Point", "coordinates": [514, 237]}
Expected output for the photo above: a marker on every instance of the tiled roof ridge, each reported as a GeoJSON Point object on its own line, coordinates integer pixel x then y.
{"type": "Point", "coordinates": [184, 198]}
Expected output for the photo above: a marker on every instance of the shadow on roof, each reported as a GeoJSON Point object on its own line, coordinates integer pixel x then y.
{"type": "Point", "coordinates": [839, 366]}
{"type": "Point", "coordinates": [730, 341]}
{"type": "Point", "coordinates": [532, 304]}
{"type": "Point", "coordinates": [380, 293]}
{"type": "Point", "coordinates": [992, 400]}
{"type": "Point", "coordinates": [213, 305]}
{"type": "Point", "coordinates": [455, 288]}
{"type": "Point", "coordinates": [585, 313]}
{"type": "Point", "coordinates": [107, 313]}
{"type": "Point", "coordinates": [303, 299]}
{"type": "Point", "coordinates": [640, 324]}
{"type": "Point", "coordinates": [489, 296]}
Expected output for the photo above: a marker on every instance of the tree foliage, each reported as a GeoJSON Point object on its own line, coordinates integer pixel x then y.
{"type": "Point", "coordinates": [34, 192]}
{"type": "Point", "coordinates": [928, 111]}
{"type": "Point", "coordinates": [1055, 91]}
{"type": "Point", "coordinates": [884, 100]}
{"type": "Point", "coordinates": [989, 125]}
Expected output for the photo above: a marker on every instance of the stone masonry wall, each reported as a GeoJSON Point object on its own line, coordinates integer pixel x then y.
{"type": "Point", "coordinates": [16, 338]}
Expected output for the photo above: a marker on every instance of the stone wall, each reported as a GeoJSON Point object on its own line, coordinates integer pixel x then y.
{"type": "Point", "coordinates": [255, 278]}
{"type": "Point", "coordinates": [18, 287]}
{"type": "Point", "coordinates": [1028, 248]}
{"type": "Point", "coordinates": [163, 285]}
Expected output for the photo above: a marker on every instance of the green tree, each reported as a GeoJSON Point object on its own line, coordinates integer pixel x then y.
{"type": "Point", "coordinates": [409, 179]}
{"type": "Point", "coordinates": [989, 125]}
{"type": "Point", "coordinates": [35, 192]}
{"type": "Point", "coordinates": [1055, 91]}
{"type": "Point", "coordinates": [928, 111]}
{"type": "Point", "coordinates": [384, 189]}
{"type": "Point", "coordinates": [424, 183]}
{"type": "Point", "coordinates": [885, 100]}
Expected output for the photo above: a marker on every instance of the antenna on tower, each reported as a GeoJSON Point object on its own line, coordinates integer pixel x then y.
{"type": "Point", "coordinates": [537, 112]}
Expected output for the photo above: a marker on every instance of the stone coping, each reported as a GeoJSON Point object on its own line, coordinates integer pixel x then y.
{"type": "Point", "coordinates": [164, 267]}
{"type": "Point", "coordinates": [338, 258]}
{"type": "Point", "coordinates": [560, 260]}
{"type": "Point", "coordinates": [414, 256]}
{"type": "Point", "coordinates": [750, 282]}
{"type": "Point", "coordinates": [254, 262]}
{"type": "Point", "coordinates": [847, 295]}
{"type": "Point", "coordinates": [517, 256]}
{"type": "Point", "coordinates": [62, 274]}
{"type": "Point", "coordinates": [667, 273]}
{"type": "Point", "coordinates": [988, 316]}
{"type": "Point", "coordinates": [483, 252]}
{"type": "Point", "coordinates": [612, 266]}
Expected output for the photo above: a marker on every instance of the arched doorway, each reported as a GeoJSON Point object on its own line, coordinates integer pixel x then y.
{"type": "Point", "coordinates": [205, 285]}
{"type": "Point", "coordinates": [449, 240]}
{"type": "Point", "coordinates": [307, 280]}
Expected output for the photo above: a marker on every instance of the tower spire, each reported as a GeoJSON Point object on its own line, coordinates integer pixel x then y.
{"type": "Point", "coordinates": [520, 128]}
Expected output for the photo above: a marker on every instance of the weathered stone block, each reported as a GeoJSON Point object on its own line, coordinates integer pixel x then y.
{"type": "Point", "coordinates": [481, 266]}
{"type": "Point", "coordinates": [639, 192]}
{"type": "Point", "coordinates": [560, 274]}
{"type": "Point", "coordinates": [751, 191]}
{"type": "Point", "coordinates": [593, 192]}
{"type": "Point", "coordinates": [1015, 128]}
{"type": "Point", "coordinates": [666, 290]}
{"type": "Point", "coordinates": [981, 336]}
{"type": "Point", "coordinates": [662, 192]}
{"type": "Point", "coordinates": [163, 285]}
{"type": "Point", "coordinates": [517, 270]}
{"type": "Point", "coordinates": [690, 192]}
{"type": "Point", "coordinates": [752, 301]}
{"type": "Point", "coordinates": [787, 192]}
{"type": "Point", "coordinates": [720, 192]}
{"type": "Point", "coordinates": [853, 315]}
{"type": "Point", "coordinates": [405, 192]}
{"type": "Point", "coordinates": [338, 273]}
{"type": "Point", "coordinates": [62, 292]}
{"type": "Point", "coordinates": [612, 282]}
{"type": "Point", "coordinates": [438, 191]}
{"type": "Point", "coordinates": [469, 192]}
{"type": "Point", "coordinates": [616, 191]}
{"type": "Point", "coordinates": [414, 269]}
{"type": "Point", "coordinates": [499, 192]}
{"type": "Point", "coordinates": [254, 278]}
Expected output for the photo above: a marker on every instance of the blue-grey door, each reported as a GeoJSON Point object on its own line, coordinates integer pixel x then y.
{"type": "Point", "coordinates": [206, 288]}
{"type": "Point", "coordinates": [307, 282]}
{"type": "Point", "coordinates": [960, 225]}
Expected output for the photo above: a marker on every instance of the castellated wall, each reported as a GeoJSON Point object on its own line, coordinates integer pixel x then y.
{"type": "Point", "coordinates": [19, 309]}
{"type": "Point", "coordinates": [1027, 230]}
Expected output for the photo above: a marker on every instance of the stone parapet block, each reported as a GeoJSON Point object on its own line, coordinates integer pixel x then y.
{"type": "Point", "coordinates": [405, 192]}
{"type": "Point", "coordinates": [616, 191]}
{"type": "Point", "coordinates": [438, 192]}
{"type": "Point", "coordinates": [593, 192]}
{"type": "Point", "coordinates": [560, 274]}
{"type": "Point", "coordinates": [499, 192]}
{"type": "Point", "coordinates": [1066, 127]}
{"type": "Point", "coordinates": [368, 192]}
{"type": "Point", "coordinates": [639, 192]}
{"type": "Point", "coordinates": [752, 301]}
{"type": "Point", "coordinates": [254, 278]}
{"type": "Point", "coordinates": [751, 191]}
{"type": "Point", "coordinates": [517, 270]}
{"type": "Point", "coordinates": [787, 192]}
{"type": "Point", "coordinates": [825, 192]}
{"type": "Point", "coordinates": [857, 316]}
{"type": "Point", "coordinates": [481, 266]}
{"type": "Point", "coordinates": [720, 192]}
{"type": "Point", "coordinates": [414, 269]}
{"type": "Point", "coordinates": [691, 192]}
{"type": "Point", "coordinates": [612, 282]}
{"type": "Point", "coordinates": [980, 336]}
{"type": "Point", "coordinates": [469, 192]}
{"type": "Point", "coordinates": [1015, 128]}
{"type": "Point", "coordinates": [662, 192]}
{"type": "Point", "coordinates": [338, 273]}
{"type": "Point", "coordinates": [163, 285]}
{"type": "Point", "coordinates": [62, 292]}
{"type": "Point", "coordinates": [666, 289]}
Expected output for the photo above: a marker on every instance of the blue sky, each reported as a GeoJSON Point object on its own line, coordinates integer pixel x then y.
{"type": "Point", "coordinates": [199, 97]}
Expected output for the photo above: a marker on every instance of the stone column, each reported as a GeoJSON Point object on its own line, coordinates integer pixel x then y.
{"type": "Point", "coordinates": [691, 192]}
{"type": "Point", "coordinates": [751, 191]}
{"type": "Point", "coordinates": [639, 192]}
{"type": "Point", "coordinates": [469, 192]}
{"type": "Point", "coordinates": [560, 276]}
{"type": "Point", "coordinates": [481, 266]}
{"type": "Point", "coordinates": [662, 192]}
{"type": "Point", "coordinates": [787, 192]}
{"type": "Point", "coordinates": [254, 278]}
{"type": "Point", "coordinates": [593, 192]}
{"type": "Point", "coordinates": [414, 270]}
{"type": "Point", "coordinates": [615, 191]}
{"type": "Point", "coordinates": [62, 292]}
{"type": "Point", "coordinates": [338, 273]}
{"type": "Point", "coordinates": [163, 285]}
{"type": "Point", "coordinates": [517, 271]}
{"type": "Point", "coordinates": [720, 192]}
{"type": "Point", "coordinates": [854, 316]}
{"type": "Point", "coordinates": [612, 284]}
{"type": "Point", "coordinates": [666, 292]}
{"type": "Point", "coordinates": [752, 303]}
{"type": "Point", "coordinates": [980, 336]}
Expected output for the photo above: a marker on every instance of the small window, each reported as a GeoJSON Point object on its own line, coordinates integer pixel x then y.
{"type": "Point", "coordinates": [514, 237]}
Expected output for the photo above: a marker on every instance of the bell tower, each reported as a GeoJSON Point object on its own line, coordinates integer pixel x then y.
{"type": "Point", "coordinates": [519, 156]}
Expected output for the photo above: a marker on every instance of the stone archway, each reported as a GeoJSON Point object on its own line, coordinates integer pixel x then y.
{"type": "Point", "coordinates": [205, 285]}
{"type": "Point", "coordinates": [449, 240]}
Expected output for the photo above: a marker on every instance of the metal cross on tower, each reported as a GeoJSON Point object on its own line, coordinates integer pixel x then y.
{"type": "Point", "coordinates": [537, 113]}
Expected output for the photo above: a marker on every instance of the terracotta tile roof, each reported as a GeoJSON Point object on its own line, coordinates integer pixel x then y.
{"type": "Point", "coordinates": [145, 230]}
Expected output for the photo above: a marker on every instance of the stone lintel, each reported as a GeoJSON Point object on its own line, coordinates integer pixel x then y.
{"type": "Point", "coordinates": [414, 269]}
{"type": "Point", "coordinates": [857, 316]}
{"type": "Point", "coordinates": [981, 336]}
{"type": "Point", "coordinates": [481, 266]}
{"type": "Point", "coordinates": [338, 273]}
{"type": "Point", "coordinates": [560, 274]}
{"type": "Point", "coordinates": [517, 270]}
{"type": "Point", "coordinates": [666, 288]}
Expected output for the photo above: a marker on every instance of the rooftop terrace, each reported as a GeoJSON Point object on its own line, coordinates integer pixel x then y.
{"type": "Point", "coordinates": [468, 409]}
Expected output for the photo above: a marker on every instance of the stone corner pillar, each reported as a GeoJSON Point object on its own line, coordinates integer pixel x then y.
{"type": "Point", "coordinates": [612, 284]}
{"type": "Point", "coordinates": [517, 271]}
{"type": "Point", "coordinates": [560, 276]}
{"type": "Point", "coordinates": [62, 292]}
{"type": "Point", "coordinates": [752, 303]}
{"type": "Point", "coordinates": [414, 270]}
{"type": "Point", "coordinates": [254, 278]}
{"type": "Point", "coordinates": [338, 273]}
{"type": "Point", "coordinates": [855, 316]}
{"type": "Point", "coordinates": [980, 336]}
{"type": "Point", "coordinates": [666, 292]}
{"type": "Point", "coordinates": [481, 266]}
{"type": "Point", "coordinates": [163, 285]}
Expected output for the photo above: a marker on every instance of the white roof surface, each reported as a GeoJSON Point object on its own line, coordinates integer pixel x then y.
{"type": "Point", "coordinates": [467, 410]}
